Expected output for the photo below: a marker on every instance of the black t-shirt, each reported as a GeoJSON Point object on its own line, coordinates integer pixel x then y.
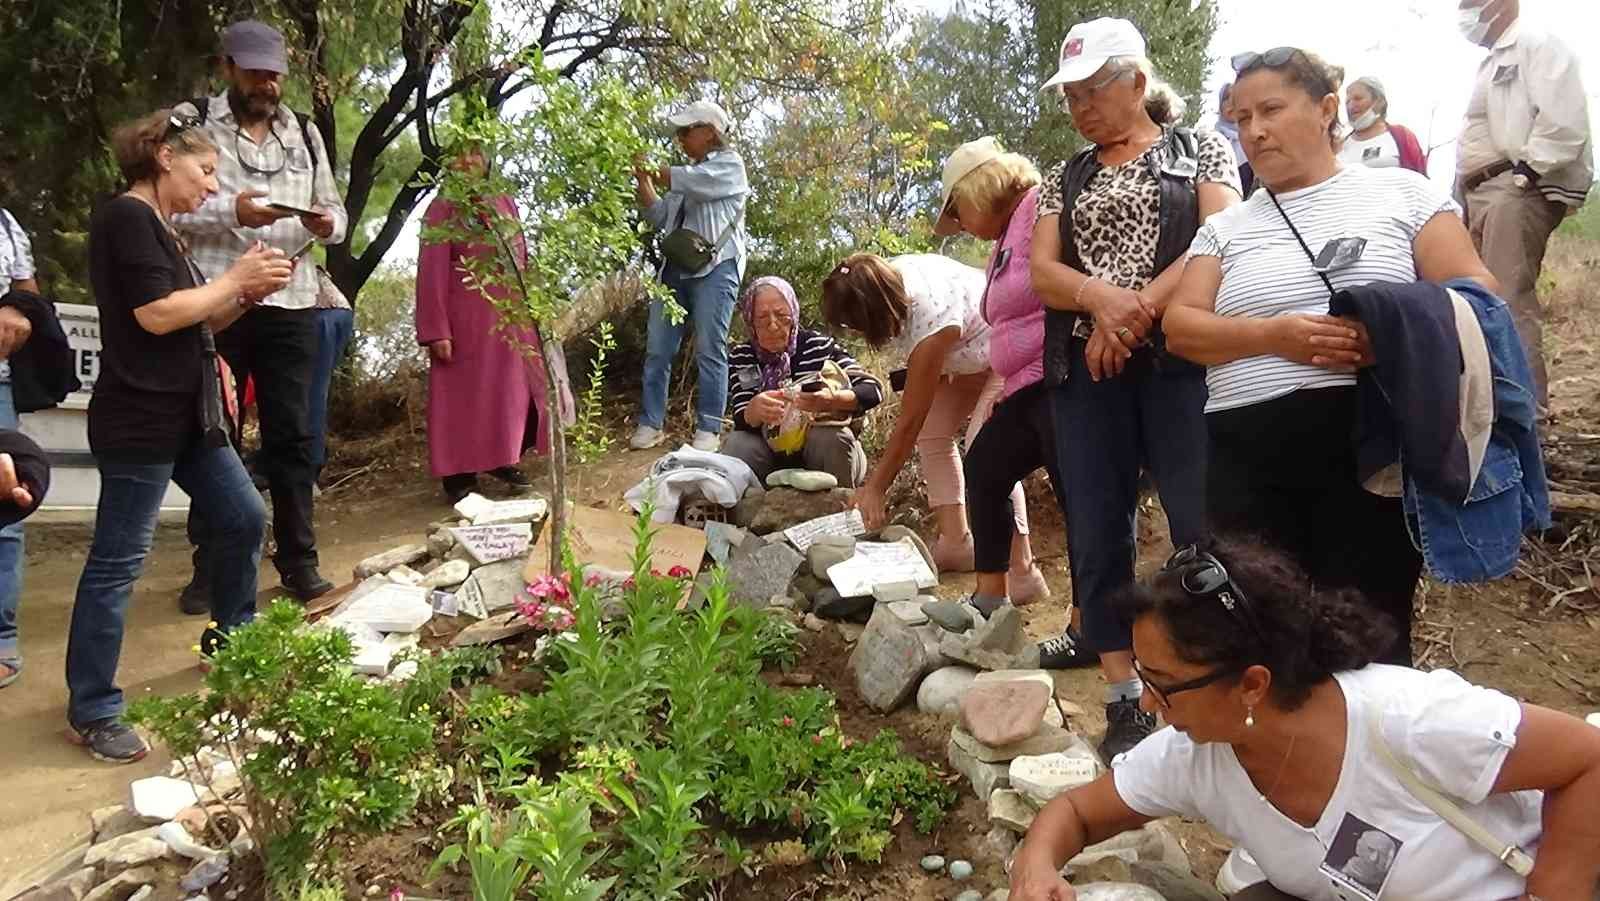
{"type": "Point", "coordinates": [146, 402]}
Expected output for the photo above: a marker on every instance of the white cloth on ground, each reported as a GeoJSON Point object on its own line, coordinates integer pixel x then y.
{"type": "Point", "coordinates": [687, 473]}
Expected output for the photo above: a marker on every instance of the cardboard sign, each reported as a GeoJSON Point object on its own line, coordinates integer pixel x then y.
{"type": "Point", "coordinates": [604, 538]}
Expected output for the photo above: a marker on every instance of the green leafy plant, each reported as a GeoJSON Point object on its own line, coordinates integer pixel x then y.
{"type": "Point", "coordinates": [498, 870]}
{"type": "Point", "coordinates": [322, 753]}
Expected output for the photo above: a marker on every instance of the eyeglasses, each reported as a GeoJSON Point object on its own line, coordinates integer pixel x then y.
{"type": "Point", "coordinates": [1163, 694]}
{"type": "Point", "coordinates": [261, 171]}
{"type": "Point", "coordinates": [783, 320]}
{"type": "Point", "coordinates": [1203, 576]}
{"type": "Point", "coordinates": [1079, 98]}
{"type": "Point", "coordinates": [1272, 59]}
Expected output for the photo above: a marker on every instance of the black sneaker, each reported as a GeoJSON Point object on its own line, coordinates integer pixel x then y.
{"type": "Point", "coordinates": [1066, 651]}
{"type": "Point", "coordinates": [512, 476]}
{"type": "Point", "coordinates": [111, 740]}
{"type": "Point", "coordinates": [306, 584]}
{"type": "Point", "coordinates": [195, 598]}
{"type": "Point", "coordinates": [1126, 726]}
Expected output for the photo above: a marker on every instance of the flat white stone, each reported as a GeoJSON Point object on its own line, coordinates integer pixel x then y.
{"type": "Point", "coordinates": [378, 564]}
{"type": "Point", "coordinates": [182, 843]}
{"type": "Point", "coordinates": [403, 575]}
{"type": "Point", "coordinates": [525, 510]}
{"type": "Point", "coordinates": [161, 797]}
{"type": "Point", "coordinates": [472, 505]}
{"type": "Point", "coordinates": [940, 693]}
{"type": "Point", "coordinates": [493, 543]}
{"type": "Point", "coordinates": [1008, 809]}
{"type": "Point", "coordinates": [910, 612]}
{"type": "Point", "coordinates": [1593, 719]}
{"type": "Point", "coordinates": [449, 574]}
{"type": "Point", "coordinates": [390, 608]}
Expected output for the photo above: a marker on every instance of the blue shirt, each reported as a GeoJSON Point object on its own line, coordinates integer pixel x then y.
{"type": "Point", "coordinates": [710, 195]}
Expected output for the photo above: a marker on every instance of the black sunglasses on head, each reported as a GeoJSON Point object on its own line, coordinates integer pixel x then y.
{"type": "Point", "coordinates": [1203, 576]}
{"type": "Point", "coordinates": [177, 123]}
{"type": "Point", "coordinates": [1272, 59]}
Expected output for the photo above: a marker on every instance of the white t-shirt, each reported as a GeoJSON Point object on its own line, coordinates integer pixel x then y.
{"type": "Point", "coordinates": [941, 292]}
{"type": "Point", "coordinates": [16, 253]}
{"type": "Point", "coordinates": [1380, 151]}
{"type": "Point", "coordinates": [1374, 840]}
{"type": "Point", "coordinates": [1265, 271]}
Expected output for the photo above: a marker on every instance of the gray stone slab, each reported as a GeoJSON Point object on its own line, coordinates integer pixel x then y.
{"type": "Point", "coordinates": [405, 555]}
{"type": "Point", "coordinates": [889, 661]}
{"type": "Point", "coordinates": [754, 576]}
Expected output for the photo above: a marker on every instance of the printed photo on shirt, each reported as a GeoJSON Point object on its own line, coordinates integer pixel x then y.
{"type": "Point", "coordinates": [1359, 861]}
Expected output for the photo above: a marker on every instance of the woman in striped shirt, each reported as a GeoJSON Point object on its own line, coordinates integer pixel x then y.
{"type": "Point", "coordinates": [781, 353]}
{"type": "Point", "coordinates": [1281, 373]}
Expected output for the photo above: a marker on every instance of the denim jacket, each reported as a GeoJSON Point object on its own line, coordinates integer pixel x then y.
{"type": "Point", "coordinates": [1481, 540]}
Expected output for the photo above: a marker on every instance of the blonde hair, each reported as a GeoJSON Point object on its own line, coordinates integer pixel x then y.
{"type": "Point", "coordinates": [136, 143]}
{"type": "Point", "coordinates": [995, 184]}
{"type": "Point", "coordinates": [1162, 102]}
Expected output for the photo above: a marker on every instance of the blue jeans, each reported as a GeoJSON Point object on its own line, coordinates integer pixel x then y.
{"type": "Point", "coordinates": [124, 526]}
{"type": "Point", "coordinates": [1150, 416]}
{"type": "Point", "coordinates": [708, 302]}
{"type": "Point", "coordinates": [334, 328]}
{"type": "Point", "coordinates": [11, 547]}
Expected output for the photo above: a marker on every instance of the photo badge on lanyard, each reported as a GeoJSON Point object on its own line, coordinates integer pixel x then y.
{"type": "Point", "coordinates": [1339, 253]}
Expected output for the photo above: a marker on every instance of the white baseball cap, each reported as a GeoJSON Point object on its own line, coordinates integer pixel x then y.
{"type": "Point", "coordinates": [701, 112]}
{"type": "Point", "coordinates": [1089, 45]}
{"type": "Point", "coordinates": [966, 158]}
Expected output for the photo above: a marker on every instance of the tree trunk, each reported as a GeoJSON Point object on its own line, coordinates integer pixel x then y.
{"type": "Point", "coordinates": [558, 456]}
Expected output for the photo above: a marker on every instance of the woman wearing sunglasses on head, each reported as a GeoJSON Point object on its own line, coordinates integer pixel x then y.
{"type": "Point", "coordinates": [1252, 307]}
{"type": "Point", "coordinates": [157, 412]}
{"type": "Point", "coordinates": [1288, 739]}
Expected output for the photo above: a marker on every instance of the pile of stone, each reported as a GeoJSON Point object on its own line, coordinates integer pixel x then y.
{"type": "Point", "coordinates": [470, 565]}
{"type": "Point", "coordinates": [153, 840]}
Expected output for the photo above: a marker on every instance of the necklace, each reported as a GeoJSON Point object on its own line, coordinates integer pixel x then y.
{"type": "Point", "coordinates": [1283, 767]}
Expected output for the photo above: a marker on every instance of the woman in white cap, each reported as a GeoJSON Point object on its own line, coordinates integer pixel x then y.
{"type": "Point", "coordinates": [1114, 225]}
{"type": "Point", "coordinates": [701, 217]}
{"type": "Point", "coordinates": [991, 195]}
{"type": "Point", "coordinates": [1374, 141]}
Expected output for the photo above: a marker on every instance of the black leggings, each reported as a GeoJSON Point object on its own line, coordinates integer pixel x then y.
{"type": "Point", "coordinates": [1018, 439]}
{"type": "Point", "coordinates": [1285, 471]}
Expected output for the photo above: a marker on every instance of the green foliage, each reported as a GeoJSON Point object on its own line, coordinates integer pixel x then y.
{"type": "Point", "coordinates": [323, 753]}
{"type": "Point", "coordinates": [1585, 223]}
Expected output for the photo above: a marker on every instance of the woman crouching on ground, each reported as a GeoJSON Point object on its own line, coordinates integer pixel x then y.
{"type": "Point", "coordinates": [1281, 730]}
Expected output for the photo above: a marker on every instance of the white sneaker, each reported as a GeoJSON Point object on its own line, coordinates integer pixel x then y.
{"type": "Point", "coordinates": [705, 441]}
{"type": "Point", "coordinates": [645, 437]}
{"type": "Point", "coordinates": [1238, 873]}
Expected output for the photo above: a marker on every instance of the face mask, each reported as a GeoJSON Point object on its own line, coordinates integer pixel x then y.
{"type": "Point", "coordinates": [1365, 121]}
{"type": "Point", "coordinates": [1473, 28]}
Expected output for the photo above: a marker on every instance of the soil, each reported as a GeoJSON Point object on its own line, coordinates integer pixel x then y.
{"type": "Point", "coordinates": [1534, 635]}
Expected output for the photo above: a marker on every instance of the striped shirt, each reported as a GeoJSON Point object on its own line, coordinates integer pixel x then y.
{"type": "Point", "coordinates": [811, 350]}
{"type": "Point", "coordinates": [215, 237]}
{"type": "Point", "coordinates": [1265, 271]}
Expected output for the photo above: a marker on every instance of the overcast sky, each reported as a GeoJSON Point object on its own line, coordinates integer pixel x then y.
{"type": "Point", "coordinates": [1412, 46]}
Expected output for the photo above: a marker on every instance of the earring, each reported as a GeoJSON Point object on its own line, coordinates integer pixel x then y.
{"type": "Point", "coordinates": [1249, 717]}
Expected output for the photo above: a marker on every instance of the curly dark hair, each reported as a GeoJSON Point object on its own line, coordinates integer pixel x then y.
{"type": "Point", "coordinates": [1303, 634]}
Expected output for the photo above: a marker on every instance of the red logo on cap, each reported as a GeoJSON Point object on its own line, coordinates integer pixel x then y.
{"type": "Point", "coordinates": [1071, 48]}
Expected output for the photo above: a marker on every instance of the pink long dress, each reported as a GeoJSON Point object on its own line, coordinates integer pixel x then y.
{"type": "Point", "coordinates": [479, 403]}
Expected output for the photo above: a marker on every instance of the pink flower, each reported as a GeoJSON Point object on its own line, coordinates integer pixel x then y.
{"type": "Point", "coordinates": [680, 572]}
{"type": "Point", "coordinates": [629, 583]}
{"type": "Point", "coordinates": [816, 739]}
{"type": "Point", "coordinates": [547, 586]}
{"type": "Point", "coordinates": [655, 572]}
{"type": "Point", "coordinates": [788, 721]}
{"type": "Point", "coordinates": [593, 580]}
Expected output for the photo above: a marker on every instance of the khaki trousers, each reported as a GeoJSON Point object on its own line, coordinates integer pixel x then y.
{"type": "Point", "coordinates": [1511, 227]}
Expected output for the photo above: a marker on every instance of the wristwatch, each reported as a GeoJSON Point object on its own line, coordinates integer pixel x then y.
{"type": "Point", "coordinates": [1524, 176]}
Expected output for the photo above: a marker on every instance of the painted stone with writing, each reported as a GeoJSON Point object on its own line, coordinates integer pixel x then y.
{"type": "Point", "coordinates": [1044, 776]}
{"type": "Point", "coordinates": [896, 532]}
{"type": "Point", "coordinates": [389, 608]}
{"type": "Point", "coordinates": [1003, 713]}
{"type": "Point", "coordinates": [889, 661]}
{"type": "Point", "coordinates": [493, 543]}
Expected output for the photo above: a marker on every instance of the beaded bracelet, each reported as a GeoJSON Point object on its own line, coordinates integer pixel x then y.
{"type": "Point", "coordinates": [1077, 299]}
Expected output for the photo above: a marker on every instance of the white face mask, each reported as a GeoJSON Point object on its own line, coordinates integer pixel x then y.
{"type": "Point", "coordinates": [1365, 121]}
{"type": "Point", "coordinates": [1472, 26]}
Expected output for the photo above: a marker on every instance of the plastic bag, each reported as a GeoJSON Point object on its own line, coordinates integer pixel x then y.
{"type": "Point", "coordinates": [789, 435]}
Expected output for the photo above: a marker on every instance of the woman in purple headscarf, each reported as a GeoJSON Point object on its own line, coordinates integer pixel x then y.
{"type": "Point", "coordinates": [781, 355]}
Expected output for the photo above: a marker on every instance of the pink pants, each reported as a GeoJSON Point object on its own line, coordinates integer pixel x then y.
{"type": "Point", "coordinates": [960, 399]}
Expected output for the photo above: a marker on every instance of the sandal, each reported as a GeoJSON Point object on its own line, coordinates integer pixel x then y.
{"type": "Point", "coordinates": [13, 667]}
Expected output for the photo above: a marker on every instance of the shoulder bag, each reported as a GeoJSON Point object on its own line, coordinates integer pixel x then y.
{"type": "Point", "coordinates": [687, 250]}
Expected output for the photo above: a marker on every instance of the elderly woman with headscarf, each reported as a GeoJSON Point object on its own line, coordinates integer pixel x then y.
{"type": "Point", "coordinates": [1373, 140]}
{"type": "Point", "coordinates": [784, 365]}
{"type": "Point", "coordinates": [1114, 224]}
{"type": "Point", "coordinates": [699, 210]}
